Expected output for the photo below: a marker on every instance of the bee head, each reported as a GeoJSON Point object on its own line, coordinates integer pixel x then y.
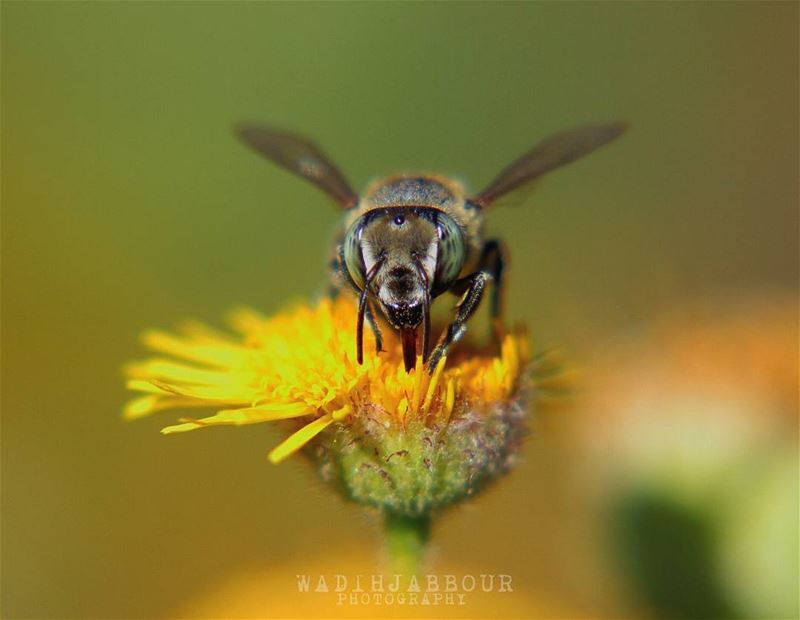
{"type": "Point", "coordinates": [404, 256]}
{"type": "Point", "coordinates": [398, 250]}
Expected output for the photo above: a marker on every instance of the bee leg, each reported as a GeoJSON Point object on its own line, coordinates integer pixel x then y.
{"type": "Point", "coordinates": [491, 267]}
{"type": "Point", "coordinates": [493, 260]}
{"type": "Point", "coordinates": [475, 284]}
{"type": "Point", "coordinates": [365, 310]}
{"type": "Point", "coordinates": [368, 312]}
{"type": "Point", "coordinates": [376, 331]}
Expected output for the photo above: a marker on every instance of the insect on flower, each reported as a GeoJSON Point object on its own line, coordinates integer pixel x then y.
{"type": "Point", "coordinates": [411, 238]}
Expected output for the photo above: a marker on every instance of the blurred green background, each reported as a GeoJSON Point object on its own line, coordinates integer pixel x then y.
{"type": "Point", "coordinates": [126, 203]}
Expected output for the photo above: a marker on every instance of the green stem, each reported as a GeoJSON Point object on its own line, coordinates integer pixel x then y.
{"type": "Point", "coordinates": [406, 540]}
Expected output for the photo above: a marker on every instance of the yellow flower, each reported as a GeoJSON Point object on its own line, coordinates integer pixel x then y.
{"type": "Point", "coordinates": [301, 364]}
{"type": "Point", "coordinates": [407, 440]}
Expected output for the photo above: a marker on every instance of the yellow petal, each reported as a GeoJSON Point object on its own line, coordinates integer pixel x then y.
{"type": "Point", "coordinates": [341, 414]}
{"type": "Point", "coordinates": [210, 354]}
{"type": "Point", "coordinates": [239, 417]}
{"type": "Point", "coordinates": [174, 372]}
{"type": "Point", "coordinates": [450, 398]}
{"type": "Point", "coordinates": [297, 440]}
{"type": "Point", "coordinates": [434, 382]}
{"type": "Point", "coordinates": [234, 394]}
{"type": "Point", "coordinates": [139, 385]}
{"type": "Point", "coordinates": [151, 403]}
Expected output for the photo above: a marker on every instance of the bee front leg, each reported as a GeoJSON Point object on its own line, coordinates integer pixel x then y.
{"type": "Point", "coordinates": [338, 265]}
{"type": "Point", "coordinates": [475, 284]}
{"type": "Point", "coordinates": [376, 331]}
{"type": "Point", "coordinates": [491, 267]}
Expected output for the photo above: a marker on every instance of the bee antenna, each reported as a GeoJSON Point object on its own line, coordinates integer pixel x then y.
{"type": "Point", "coordinates": [426, 310]}
{"type": "Point", "coordinates": [362, 308]}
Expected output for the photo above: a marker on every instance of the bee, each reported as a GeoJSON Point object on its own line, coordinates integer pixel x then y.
{"type": "Point", "coordinates": [413, 237]}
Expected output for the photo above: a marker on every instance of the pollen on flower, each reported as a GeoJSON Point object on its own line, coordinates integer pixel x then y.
{"type": "Point", "coordinates": [300, 365]}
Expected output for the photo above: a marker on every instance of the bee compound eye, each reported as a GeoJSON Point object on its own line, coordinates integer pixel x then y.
{"type": "Point", "coordinates": [354, 262]}
{"type": "Point", "coordinates": [451, 255]}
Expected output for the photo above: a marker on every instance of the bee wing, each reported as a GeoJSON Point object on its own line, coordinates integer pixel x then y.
{"type": "Point", "coordinates": [301, 157]}
{"type": "Point", "coordinates": [553, 152]}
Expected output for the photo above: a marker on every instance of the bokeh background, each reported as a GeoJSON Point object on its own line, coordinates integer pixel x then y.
{"type": "Point", "coordinates": [665, 267]}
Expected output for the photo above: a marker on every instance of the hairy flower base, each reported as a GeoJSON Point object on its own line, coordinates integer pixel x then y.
{"type": "Point", "coordinates": [404, 440]}
{"type": "Point", "coordinates": [411, 470]}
